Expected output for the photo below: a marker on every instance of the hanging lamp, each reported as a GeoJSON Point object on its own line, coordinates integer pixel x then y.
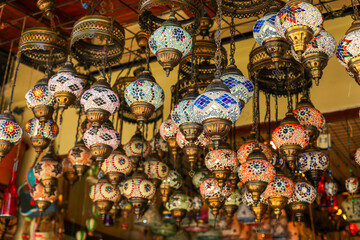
{"type": "Point", "coordinates": [42, 198]}
{"type": "Point", "coordinates": [313, 163]}
{"type": "Point", "coordinates": [331, 187]}
{"type": "Point", "coordinates": [199, 177]}
{"type": "Point", "coordinates": [168, 131]}
{"type": "Point", "coordinates": [259, 209]}
{"type": "Point", "coordinates": [104, 195]}
{"type": "Point", "coordinates": [80, 158]}
{"type": "Point", "coordinates": [137, 148]}
{"type": "Point", "coordinates": [169, 185]}
{"type": "Point", "coordinates": [231, 203]}
{"type": "Point", "coordinates": [69, 172]}
{"type": "Point", "coordinates": [156, 171]}
{"type": "Point", "coordinates": [248, 147]}
{"type": "Point", "coordinates": [179, 205]}
{"type": "Point", "coordinates": [10, 133]}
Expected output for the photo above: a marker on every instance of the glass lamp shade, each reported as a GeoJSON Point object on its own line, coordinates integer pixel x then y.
{"type": "Point", "coordinates": [247, 198]}
{"type": "Point", "coordinates": [159, 144]}
{"type": "Point", "coordinates": [117, 162]}
{"type": "Point", "coordinates": [357, 156]}
{"type": "Point", "coordinates": [310, 116]}
{"type": "Point", "coordinates": [290, 134]}
{"type": "Point", "coordinates": [90, 224]}
{"type": "Point", "coordinates": [256, 170]}
{"type": "Point", "coordinates": [37, 192]}
{"type": "Point", "coordinates": [199, 178]}
{"type": "Point", "coordinates": [298, 13]}
{"type": "Point", "coordinates": [10, 197]}
{"type": "Point", "coordinates": [139, 188]}
{"type": "Point", "coordinates": [264, 28]}
{"type": "Point", "coordinates": [168, 129]}
{"type": "Point", "coordinates": [347, 48]}
{"type": "Point", "coordinates": [247, 148]}
{"type": "Point", "coordinates": [202, 141]}
{"type": "Point", "coordinates": [197, 203]}
{"type": "Point", "coordinates": [179, 201]}
{"type": "Point", "coordinates": [67, 166]}
{"type": "Point", "coordinates": [104, 191]}
{"type": "Point", "coordinates": [48, 167]}
{"type": "Point", "coordinates": [234, 199]}
{"type": "Point", "coordinates": [221, 159]}
{"type": "Point", "coordinates": [137, 146]}
{"type": "Point", "coordinates": [210, 188]}
{"type": "Point", "coordinates": [156, 170]}
{"type": "Point", "coordinates": [281, 186]}
{"type": "Point", "coordinates": [314, 160]}
{"type": "Point", "coordinates": [303, 192]}
{"type": "Point", "coordinates": [34, 128]}
{"type": "Point", "coordinates": [183, 112]}
{"type": "Point", "coordinates": [173, 180]}
{"type": "Point", "coordinates": [331, 188]}
{"type": "Point", "coordinates": [80, 235]}
{"type": "Point", "coordinates": [144, 91]}
{"type": "Point", "coordinates": [104, 135]}
{"type": "Point", "coordinates": [39, 95]}
{"type": "Point", "coordinates": [239, 86]}
{"type": "Point", "coordinates": [352, 185]}
{"type": "Point", "coordinates": [9, 130]}
{"type": "Point", "coordinates": [80, 155]}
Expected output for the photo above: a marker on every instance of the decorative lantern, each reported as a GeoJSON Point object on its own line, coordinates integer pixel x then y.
{"type": "Point", "coordinates": [331, 188]}
{"type": "Point", "coordinates": [69, 171]}
{"type": "Point", "coordinates": [197, 203]}
{"type": "Point", "coordinates": [104, 195]}
{"type": "Point", "coordinates": [117, 166]}
{"type": "Point", "coordinates": [214, 195]}
{"type": "Point", "coordinates": [258, 209]}
{"type": "Point", "coordinates": [101, 142]}
{"type": "Point", "coordinates": [221, 163]}
{"type": "Point", "coordinates": [168, 131]}
{"type": "Point", "coordinates": [10, 133]}
{"type": "Point", "coordinates": [79, 156]}
{"type": "Point", "coordinates": [42, 198]}
{"type": "Point", "coordinates": [248, 147]}
{"type": "Point", "coordinates": [298, 22]}
{"type": "Point", "coordinates": [90, 225]}
{"type": "Point", "coordinates": [357, 156]}
{"type": "Point", "coordinates": [231, 203]}
{"type": "Point", "coordinates": [156, 171]}
{"type": "Point", "coordinates": [348, 53]}
{"type": "Point", "coordinates": [239, 86]}
{"type": "Point", "coordinates": [267, 36]}
{"type": "Point", "coordinates": [41, 134]}
{"type": "Point", "coordinates": [137, 147]}
{"type": "Point", "coordinates": [142, 38]}
{"type": "Point", "coordinates": [48, 170]}
{"type": "Point", "coordinates": [139, 191]}
{"type": "Point", "coordinates": [80, 235]}
{"type": "Point", "coordinates": [179, 204]}
{"type": "Point", "coordinates": [66, 86]}
{"type": "Point", "coordinates": [40, 101]}
{"type": "Point", "coordinates": [199, 177]}
{"type": "Point", "coordinates": [290, 137]}
{"type": "Point", "coordinates": [217, 109]}
{"type": "Point", "coordinates": [256, 174]}
{"type": "Point", "coordinates": [313, 164]}
{"type": "Point", "coordinates": [304, 195]}
{"type": "Point", "coordinates": [167, 227]}
{"type": "Point", "coordinates": [144, 96]}
{"type": "Point", "coordinates": [160, 145]}
{"type": "Point", "coordinates": [317, 54]}
{"type": "Point", "coordinates": [170, 43]}
{"type": "Point", "coordinates": [99, 103]}
{"type": "Point", "coordinates": [352, 185]}
{"type": "Point", "coordinates": [278, 192]}
{"type": "Point", "coordinates": [172, 182]}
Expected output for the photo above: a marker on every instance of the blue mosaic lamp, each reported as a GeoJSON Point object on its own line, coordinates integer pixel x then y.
{"type": "Point", "coordinates": [144, 96]}
{"type": "Point", "coordinates": [217, 109]}
{"type": "Point", "coordinates": [267, 36]}
{"type": "Point", "coordinates": [170, 43]}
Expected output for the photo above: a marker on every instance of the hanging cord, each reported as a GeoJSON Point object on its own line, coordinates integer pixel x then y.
{"type": "Point", "coordinates": [355, 9]}
{"type": "Point", "coordinates": [8, 63]}
{"type": "Point", "coordinates": [105, 59]}
{"type": "Point", "coordinates": [77, 127]}
{"type": "Point", "coordinates": [257, 112]}
{"type": "Point", "coordinates": [147, 58]}
{"type": "Point", "coordinates": [276, 110]}
{"type": "Point", "coordinates": [290, 106]}
{"type": "Point", "coordinates": [218, 53]}
{"type": "Point", "coordinates": [232, 41]}
{"type": "Point", "coordinates": [267, 116]}
{"type": "Point", "coordinates": [192, 77]}
{"type": "Point", "coordinates": [14, 83]}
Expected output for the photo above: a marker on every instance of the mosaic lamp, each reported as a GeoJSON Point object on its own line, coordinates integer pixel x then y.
{"type": "Point", "coordinates": [348, 52]}
{"type": "Point", "coordinates": [168, 131]}
{"type": "Point", "coordinates": [199, 177]}
{"type": "Point", "coordinates": [217, 109]}
{"type": "Point", "coordinates": [170, 43]}
{"type": "Point", "coordinates": [42, 198]}
{"type": "Point", "coordinates": [231, 203]}
{"type": "Point", "coordinates": [298, 22]}
{"type": "Point", "coordinates": [184, 118]}
{"type": "Point", "coordinates": [139, 191]}
{"type": "Point", "coordinates": [156, 171]}
{"type": "Point", "coordinates": [172, 182]}
{"type": "Point", "coordinates": [160, 145]}
{"type": "Point", "coordinates": [331, 187]}
{"type": "Point", "coordinates": [69, 172]}
{"type": "Point", "coordinates": [310, 118]}
{"type": "Point", "coordinates": [10, 133]}
{"type": "Point", "coordinates": [144, 96]}
{"type": "Point", "coordinates": [40, 101]}
{"type": "Point", "coordinates": [267, 36]}
{"type": "Point", "coordinates": [304, 195]}
{"type": "Point", "coordinates": [137, 148]}
{"type": "Point", "coordinates": [357, 156]}
{"type": "Point", "coordinates": [352, 185]}
{"type": "Point", "coordinates": [258, 209]}
{"type": "Point", "coordinates": [248, 147]}
{"type": "Point", "coordinates": [80, 158]}
{"type": "Point", "coordinates": [117, 166]}
{"type": "Point", "coordinates": [239, 86]}
{"type": "Point", "coordinates": [179, 204]}
{"type": "Point", "coordinates": [317, 54]}
{"type": "Point", "coordinates": [99, 103]}
{"type": "Point", "coordinates": [101, 142]}
{"type": "Point", "coordinates": [66, 86]}
{"type": "Point", "coordinates": [256, 174]}
{"type": "Point", "coordinates": [104, 195]}
{"type": "Point", "coordinates": [214, 195]}
{"type": "Point", "coordinates": [90, 225]}
{"type": "Point", "coordinates": [48, 170]}
{"type": "Point", "coordinates": [221, 163]}
{"type": "Point", "coordinates": [313, 164]}
{"type": "Point", "coordinates": [167, 228]}
{"type": "Point", "coordinates": [197, 203]}
{"type": "Point", "coordinates": [290, 137]}
{"type": "Point", "coordinates": [41, 134]}
{"type": "Point", "coordinates": [278, 192]}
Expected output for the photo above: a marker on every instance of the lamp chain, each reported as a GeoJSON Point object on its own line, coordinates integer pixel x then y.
{"type": "Point", "coordinates": [356, 11]}
{"type": "Point", "coordinates": [218, 41]}
{"type": "Point", "coordinates": [192, 77]}
{"type": "Point", "coordinates": [232, 41]}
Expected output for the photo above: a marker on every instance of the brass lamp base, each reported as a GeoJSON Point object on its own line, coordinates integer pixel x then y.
{"type": "Point", "coordinates": [80, 169]}
{"type": "Point", "coordinates": [256, 188]}
{"type": "Point", "coordinates": [221, 175]}
{"type": "Point", "coordinates": [42, 204]}
{"type": "Point", "coordinates": [230, 210]}
{"type": "Point", "coordinates": [234, 179]}
{"type": "Point", "coordinates": [191, 130]}
{"type": "Point", "coordinates": [142, 111]}
{"type": "Point", "coordinates": [276, 48]}
{"type": "Point", "coordinates": [43, 112]}
{"type": "Point", "coordinates": [314, 176]}
{"type": "Point", "coordinates": [115, 178]}
{"type": "Point", "coordinates": [290, 153]}
{"type": "Point", "coordinates": [192, 152]}
{"type": "Point", "coordinates": [71, 177]}
{"type": "Point", "coordinates": [298, 209]}
{"type": "Point", "coordinates": [103, 206]}
{"type": "Point", "coordinates": [217, 128]}
{"type": "Point", "coordinates": [5, 148]}
{"type": "Point", "coordinates": [100, 152]}
{"type": "Point", "coordinates": [49, 183]}
{"type": "Point", "coordinates": [39, 143]}
{"type": "Point", "coordinates": [97, 117]}
{"type": "Point", "coordinates": [354, 67]}
{"type": "Point", "coordinates": [139, 205]}
{"type": "Point", "coordinates": [173, 147]}
{"type": "Point", "coordinates": [215, 205]}
{"type": "Point", "coordinates": [64, 99]}
{"type": "Point", "coordinates": [299, 36]}
{"type": "Point", "coordinates": [315, 62]}
{"type": "Point", "coordinates": [178, 215]}
{"type": "Point", "coordinates": [168, 58]}
{"type": "Point", "coordinates": [277, 203]}
{"type": "Point", "coordinates": [259, 210]}
{"type": "Point", "coordinates": [156, 182]}
{"type": "Point", "coordinates": [165, 192]}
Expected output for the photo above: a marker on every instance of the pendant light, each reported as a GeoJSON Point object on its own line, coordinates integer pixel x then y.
{"type": "Point", "coordinates": [168, 131]}
{"type": "Point", "coordinates": [179, 205]}
{"type": "Point", "coordinates": [259, 209]}
{"type": "Point", "coordinates": [169, 185]}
